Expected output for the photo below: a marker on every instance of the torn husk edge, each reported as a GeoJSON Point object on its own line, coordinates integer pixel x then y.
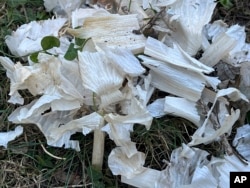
{"type": "Point", "coordinates": [218, 50]}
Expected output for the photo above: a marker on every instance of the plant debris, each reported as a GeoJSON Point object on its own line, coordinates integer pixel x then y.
{"type": "Point", "coordinates": [107, 87]}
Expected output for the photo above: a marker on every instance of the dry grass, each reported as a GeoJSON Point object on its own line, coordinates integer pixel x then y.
{"type": "Point", "coordinates": [26, 164]}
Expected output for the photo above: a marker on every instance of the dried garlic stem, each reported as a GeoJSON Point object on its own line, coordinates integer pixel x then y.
{"type": "Point", "coordinates": [98, 149]}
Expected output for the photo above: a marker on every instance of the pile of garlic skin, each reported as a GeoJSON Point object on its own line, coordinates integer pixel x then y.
{"type": "Point", "coordinates": [107, 88]}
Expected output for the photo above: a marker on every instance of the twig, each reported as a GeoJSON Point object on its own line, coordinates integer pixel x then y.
{"type": "Point", "coordinates": [51, 155]}
{"type": "Point", "coordinates": [150, 23]}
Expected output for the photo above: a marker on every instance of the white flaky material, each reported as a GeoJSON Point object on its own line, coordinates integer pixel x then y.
{"type": "Point", "coordinates": [118, 34]}
{"type": "Point", "coordinates": [115, 80]}
{"type": "Point", "coordinates": [218, 50]}
{"type": "Point", "coordinates": [225, 118]}
{"type": "Point", "coordinates": [177, 80]}
{"type": "Point", "coordinates": [174, 55]}
{"type": "Point", "coordinates": [101, 77]}
{"type": "Point", "coordinates": [6, 137]}
{"type": "Point", "coordinates": [188, 17]}
{"type": "Point", "coordinates": [242, 141]}
{"type": "Point", "coordinates": [27, 38]}
{"type": "Point", "coordinates": [182, 108]}
{"type": "Point", "coordinates": [124, 60]}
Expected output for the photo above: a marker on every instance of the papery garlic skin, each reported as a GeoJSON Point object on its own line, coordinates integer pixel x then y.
{"type": "Point", "coordinates": [27, 38]}
{"type": "Point", "coordinates": [187, 19]}
{"type": "Point", "coordinates": [6, 137]}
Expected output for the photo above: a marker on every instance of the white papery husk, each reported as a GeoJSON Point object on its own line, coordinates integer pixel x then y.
{"type": "Point", "coordinates": [230, 164]}
{"type": "Point", "coordinates": [120, 126]}
{"type": "Point", "coordinates": [27, 38]}
{"type": "Point", "coordinates": [177, 80]}
{"type": "Point", "coordinates": [146, 179]}
{"type": "Point", "coordinates": [44, 77]}
{"type": "Point", "coordinates": [79, 15]}
{"type": "Point", "coordinates": [17, 75]}
{"type": "Point", "coordinates": [112, 30]}
{"type": "Point", "coordinates": [145, 90]}
{"type": "Point", "coordinates": [242, 141]}
{"type": "Point", "coordinates": [57, 126]}
{"type": "Point", "coordinates": [120, 134]}
{"type": "Point", "coordinates": [226, 119]}
{"type": "Point", "coordinates": [234, 53]}
{"type": "Point", "coordinates": [156, 108]}
{"type": "Point", "coordinates": [137, 113]}
{"type": "Point", "coordinates": [188, 167]}
{"type": "Point", "coordinates": [62, 7]}
{"type": "Point", "coordinates": [182, 107]}
{"type": "Point", "coordinates": [59, 83]}
{"type": "Point", "coordinates": [244, 86]}
{"type": "Point", "coordinates": [133, 7]}
{"type": "Point", "coordinates": [185, 165]}
{"type": "Point", "coordinates": [101, 77]}
{"type": "Point", "coordinates": [174, 55]}
{"type": "Point", "coordinates": [218, 50]}
{"type": "Point", "coordinates": [175, 106]}
{"type": "Point", "coordinates": [6, 137]}
{"type": "Point", "coordinates": [124, 61]}
{"type": "Point", "coordinates": [128, 166]}
{"type": "Point", "coordinates": [187, 19]}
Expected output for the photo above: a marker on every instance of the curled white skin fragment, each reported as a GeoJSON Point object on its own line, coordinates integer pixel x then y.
{"type": "Point", "coordinates": [225, 117]}
{"type": "Point", "coordinates": [124, 61]}
{"type": "Point", "coordinates": [230, 164]}
{"type": "Point", "coordinates": [242, 141]}
{"type": "Point", "coordinates": [79, 15]}
{"type": "Point", "coordinates": [218, 49]}
{"type": "Point", "coordinates": [6, 137]}
{"type": "Point", "coordinates": [174, 55]}
{"type": "Point", "coordinates": [45, 77]}
{"type": "Point", "coordinates": [228, 43]}
{"type": "Point", "coordinates": [120, 134]}
{"type": "Point", "coordinates": [146, 179]}
{"type": "Point", "coordinates": [182, 108]}
{"type": "Point", "coordinates": [156, 108]}
{"type": "Point", "coordinates": [136, 114]}
{"type": "Point", "coordinates": [57, 126]}
{"type": "Point", "coordinates": [128, 166]}
{"type": "Point", "coordinates": [62, 8]}
{"type": "Point", "coordinates": [17, 75]}
{"type": "Point", "coordinates": [177, 80]}
{"type": "Point", "coordinates": [188, 168]}
{"type": "Point", "coordinates": [112, 30]}
{"type": "Point", "coordinates": [27, 38]}
{"type": "Point", "coordinates": [188, 17]}
{"type": "Point", "coordinates": [101, 77]}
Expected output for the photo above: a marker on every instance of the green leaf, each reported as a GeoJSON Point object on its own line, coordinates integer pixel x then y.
{"type": "Point", "coordinates": [79, 41]}
{"type": "Point", "coordinates": [34, 56]}
{"type": "Point", "coordinates": [71, 53]}
{"type": "Point", "coordinates": [226, 3]}
{"type": "Point", "coordinates": [49, 42]}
